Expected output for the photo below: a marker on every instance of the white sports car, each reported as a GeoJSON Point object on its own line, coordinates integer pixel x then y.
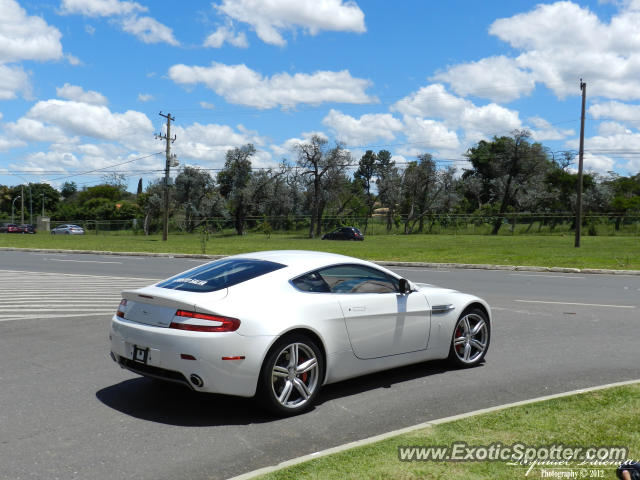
{"type": "Point", "coordinates": [280, 324]}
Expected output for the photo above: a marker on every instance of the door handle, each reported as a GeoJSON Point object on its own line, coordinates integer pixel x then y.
{"type": "Point", "coordinates": [357, 309]}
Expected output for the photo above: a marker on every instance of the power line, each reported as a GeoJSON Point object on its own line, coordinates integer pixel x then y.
{"type": "Point", "coordinates": [105, 168]}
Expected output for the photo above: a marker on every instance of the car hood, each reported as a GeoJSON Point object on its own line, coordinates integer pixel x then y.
{"type": "Point", "coordinates": [427, 287]}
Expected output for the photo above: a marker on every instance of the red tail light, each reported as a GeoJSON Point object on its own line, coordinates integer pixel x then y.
{"type": "Point", "coordinates": [120, 312]}
{"type": "Point", "coordinates": [220, 324]}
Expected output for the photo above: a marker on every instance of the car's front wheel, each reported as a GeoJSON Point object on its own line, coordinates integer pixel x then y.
{"type": "Point", "coordinates": [470, 339]}
{"type": "Point", "coordinates": [291, 375]}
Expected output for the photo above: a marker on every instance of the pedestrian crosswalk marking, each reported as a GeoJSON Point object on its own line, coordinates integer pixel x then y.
{"type": "Point", "coordinates": [35, 295]}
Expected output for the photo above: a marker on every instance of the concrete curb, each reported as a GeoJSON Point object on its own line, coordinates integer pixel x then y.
{"type": "Point", "coordinates": [420, 426]}
{"type": "Point", "coordinates": [386, 263]}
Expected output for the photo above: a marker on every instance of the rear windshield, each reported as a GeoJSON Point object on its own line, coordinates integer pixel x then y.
{"type": "Point", "coordinates": [220, 274]}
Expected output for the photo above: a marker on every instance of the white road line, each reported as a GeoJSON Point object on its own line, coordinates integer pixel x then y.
{"type": "Point", "coordinates": [36, 295]}
{"type": "Point", "coordinates": [408, 269]}
{"type": "Point", "coordinates": [573, 303]}
{"type": "Point", "coordinates": [69, 308]}
{"type": "Point", "coordinates": [78, 275]}
{"type": "Point", "coordinates": [11, 318]}
{"type": "Point", "coordinates": [546, 276]}
{"type": "Point", "coordinates": [78, 261]}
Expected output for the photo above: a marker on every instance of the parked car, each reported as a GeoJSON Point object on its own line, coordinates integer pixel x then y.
{"type": "Point", "coordinates": [280, 324]}
{"type": "Point", "coordinates": [67, 229]}
{"type": "Point", "coordinates": [9, 228]}
{"type": "Point", "coordinates": [27, 228]}
{"type": "Point", "coordinates": [344, 233]}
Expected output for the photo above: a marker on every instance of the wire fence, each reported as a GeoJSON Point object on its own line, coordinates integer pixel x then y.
{"type": "Point", "coordinates": [436, 224]}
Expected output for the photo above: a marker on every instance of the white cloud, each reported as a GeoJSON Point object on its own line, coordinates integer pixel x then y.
{"type": "Point", "coordinates": [207, 105]}
{"type": "Point", "coordinates": [149, 30]}
{"type": "Point", "coordinates": [78, 94]}
{"type": "Point", "coordinates": [34, 131]}
{"type": "Point", "coordinates": [288, 148]}
{"type": "Point", "coordinates": [93, 121]}
{"type": "Point", "coordinates": [12, 81]}
{"type": "Point", "coordinates": [209, 143]}
{"type": "Point", "coordinates": [24, 37]}
{"type": "Point", "coordinates": [428, 135]}
{"type": "Point", "coordinates": [598, 163]}
{"type": "Point", "coordinates": [556, 44]}
{"type": "Point", "coordinates": [270, 18]}
{"type": "Point", "coordinates": [545, 131]}
{"type": "Point", "coordinates": [241, 85]}
{"type": "Point", "coordinates": [52, 160]}
{"type": "Point", "coordinates": [620, 112]}
{"type": "Point", "coordinates": [226, 34]}
{"type": "Point", "coordinates": [479, 122]}
{"type": "Point", "coordinates": [363, 130]}
{"type": "Point", "coordinates": [608, 129]}
{"type": "Point", "coordinates": [496, 78]}
{"type": "Point", "coordinates": [100, 8]}
{"type": "Point", "coordinates": [9, 143]}
{"type": "Point", "coordinates": [73, 60]}
{"type": "Point", "coordinates": [145, 97]}
{"type": "Point", "coordinates": [612, 149]}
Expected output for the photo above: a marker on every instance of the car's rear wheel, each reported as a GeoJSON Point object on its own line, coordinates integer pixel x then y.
{"type": "Point", "coordinates": [291, 375]}
{"type": "Point", "coordinates": [470, 339]}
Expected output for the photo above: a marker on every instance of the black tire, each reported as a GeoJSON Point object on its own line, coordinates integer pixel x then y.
{"type": "Point", "coordinates": [302, 386]}
{"type": "Point", "coordinates": [470, 338]}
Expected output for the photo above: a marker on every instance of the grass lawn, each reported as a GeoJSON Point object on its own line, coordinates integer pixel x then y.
{"type": "Point", "coordinates": [604, 418]}
{"type": "Point", "coordinates": [613, 252]}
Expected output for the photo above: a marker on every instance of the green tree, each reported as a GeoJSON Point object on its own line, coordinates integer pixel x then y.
{"type": "Point", "coordinates": [504, 167]}
{"type": "Point", "coordinates": [68, 189]}
{"type": "Point", "coordinates": [389, 184]}
{"type": "Point", "coordinates": [420, 188]}
{"type": "Point", "coordinates": [234, 180]}
{"type": "Point", "coordinates": [626, 195]}
{"type": "Point", "coordinates": [367, 170]}
{"type": "Point", "coordinates": [320, 165]}
{"type": "Point", "coordinates": [192, 186]}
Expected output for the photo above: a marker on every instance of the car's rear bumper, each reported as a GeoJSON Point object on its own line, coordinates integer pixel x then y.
{"type": "Point", "coordinates": [177, 355]}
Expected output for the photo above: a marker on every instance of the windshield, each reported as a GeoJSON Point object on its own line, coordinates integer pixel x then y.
{"type": "Point", "coordinates": [220, 274]}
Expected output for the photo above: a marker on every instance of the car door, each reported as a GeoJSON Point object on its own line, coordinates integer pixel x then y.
{"type": "Point", "coordinates": [380, 320]}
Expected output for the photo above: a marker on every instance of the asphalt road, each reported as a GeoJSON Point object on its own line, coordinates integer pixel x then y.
{"type": "Point", "coordinates": [68, 412]}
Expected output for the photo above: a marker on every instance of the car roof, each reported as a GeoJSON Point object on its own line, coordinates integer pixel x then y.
{"type": "Point", "coordinates": [301, 260]}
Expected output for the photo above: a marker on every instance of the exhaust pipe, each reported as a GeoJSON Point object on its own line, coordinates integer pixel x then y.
{"type": "Point", "coordinates": [196, 380]}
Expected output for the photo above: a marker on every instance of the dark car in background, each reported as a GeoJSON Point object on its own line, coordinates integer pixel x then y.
{"type": "Point", "coordinates": [9, 228]}
{"type": "Point", "coordinates": [344, 233]}
{"type": "Point", "coordinates": [27, 228]}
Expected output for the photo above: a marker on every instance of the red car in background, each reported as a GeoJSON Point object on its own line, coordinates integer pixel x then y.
{"type": "Point", "coordinates": [10, 228]}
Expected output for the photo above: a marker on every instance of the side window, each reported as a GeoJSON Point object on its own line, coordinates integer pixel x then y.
{"type": "Point", "coordinates": [311, 282]}
{"type": "Point", "coordinates": [358, 279]}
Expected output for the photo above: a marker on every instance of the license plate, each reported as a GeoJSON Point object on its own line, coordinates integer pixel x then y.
{"type": "Point", "coordinates": [140, 354]}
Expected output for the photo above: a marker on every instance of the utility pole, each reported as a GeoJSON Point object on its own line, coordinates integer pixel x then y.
{"type": "Point", "coordinates": [583, 87]}
{"type": "Point", "coordinates": [22, 205]}
{"type": "Point", "coordinates": [167, 168]}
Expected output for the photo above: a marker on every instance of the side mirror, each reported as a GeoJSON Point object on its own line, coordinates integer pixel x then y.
{"type": "Point", "coordinates": [404, 285]}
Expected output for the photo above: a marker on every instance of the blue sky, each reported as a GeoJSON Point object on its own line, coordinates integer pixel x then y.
{"type": "Point", "coordinates": [82, 81]}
